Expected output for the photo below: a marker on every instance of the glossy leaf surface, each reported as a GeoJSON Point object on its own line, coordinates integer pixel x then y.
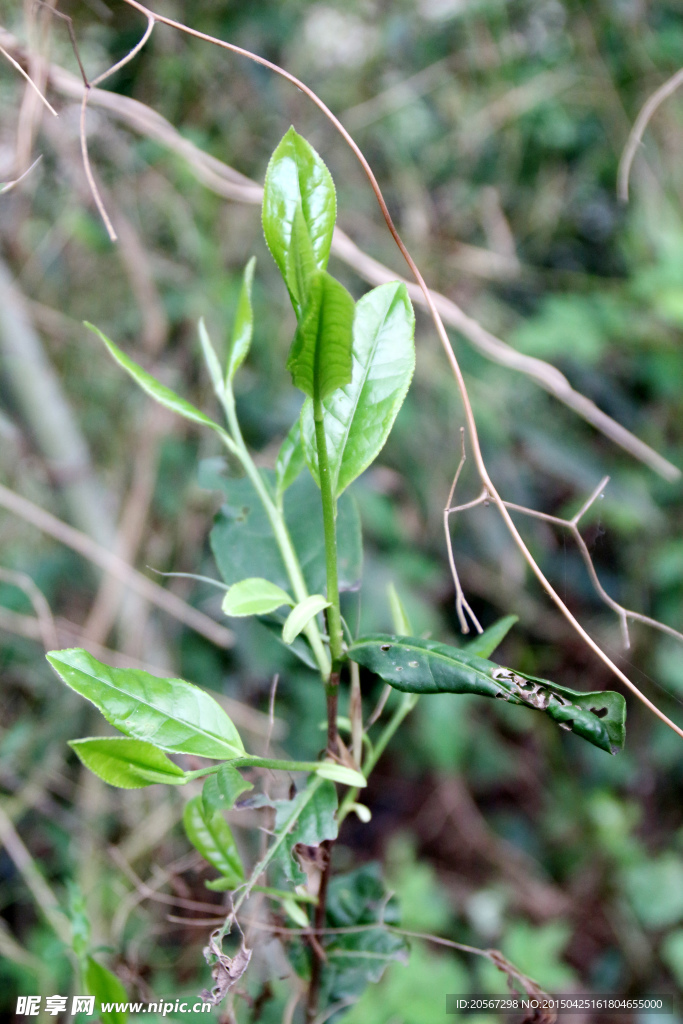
{"type": "Point", "coordinates": [243, 327]}
{"type": "Point", "coordinates": [424, 666]}
{"type": "Point", "coordinates": [222, 789]}
{"type": "Point", "coordinates": [301, 615]}
{"type": "Point", "coordinates": [170, 713]}
{"type": "Point", "coordinates": [211, 836]}
{"type": "Point", "coordinates": [127, 763]}
{"type": "Point", "coordinates": [320, 358]}
{"type": "Point", "coordinates": [243, 544]}
{"type": "Point", "coordinates": [254, 596]}
{"type": "Point", "coordinates": [158, 391]}
{"type": "Point", "coordinates": [297, 183]}
{"type": "Point", "coordinates": [359, 417]}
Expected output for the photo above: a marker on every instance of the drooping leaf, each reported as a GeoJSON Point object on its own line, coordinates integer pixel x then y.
{"type": "Point", "coordinates": [158, 391]}
{"type": "Point", "coordinates": [320, 358]}
{"type": "Point", "coordinates": [297, 182]}
{"type": "Point", "coordinates": [106, 988]}
{"type": "Point", "coordinates": [222, 789]}
{"type": "Point", "coordinates": [127, 763]}
{"type": "Point", "coordinates": [424, 666]}
{"type": "Point", "coordinates": [301, 615]}
{"type": "Point", "coordinates": [254, 596]}
{"type": "Point", "coordinates": [485, 643]}
{"type": "Point", "coordinates": [316, 823]}
{"type": "Point", "coordinates": [359, 417]}
{"type": "Point", "coordinates": [211, 836]}
{"type": "Point", "coordinates": [290, 460]}
{"type": "Point", "coordinates": [169, 713]}
{"type": "Point", "coordinates": [243, 327]}
{"type": "Point", "coordinates": [243, 544]}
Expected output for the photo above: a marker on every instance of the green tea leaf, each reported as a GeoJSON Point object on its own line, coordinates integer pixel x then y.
{"type": "Point", "coordinates": [341, 774]}
{"type": "Point", "coordinates": [424, 666]}
{"type": "Point", "coordinates": [320, 357]}
{"type": "Point", "coordinates": [210, 358]}
{"type": "Point", "coordinates": [242, 539]}
{"type": "Point", "coordinates": [158, 391]}
{"type": "Point", "coordinates": [398, 613]}
{"type": "Point", "coordinates": [359, 417]}
{"type": "Point", "coordinates": [211, 836]}
{"type": "Point", "coordinates": [243, 327]}
{"type": "Point", "coordinates": [316, 823]}
{"type": "Point", "coordinates": [485, 644]}
{"type": "Point", "coordinates": [169, 713]}
{"type": "Point", "coordinates": [301, 615]}
{"type": "Point", "coordinates": [297, 184]}
{"type": "Point", "coordinates": [222, 789]}
{"type": "Point", "coordinates": [126, 763]}
{"type": "Point", "coordinates": [106, 988]}
{"type": "Point", "coordinates": [290, 460]}
{"type": "Point", "coordinates": [254, 596]}
{"type": "Point", "coordinates": [301, 262]}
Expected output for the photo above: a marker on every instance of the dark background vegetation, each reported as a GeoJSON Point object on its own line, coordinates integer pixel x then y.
{"type": "Point", "coordinates": [495, 130]}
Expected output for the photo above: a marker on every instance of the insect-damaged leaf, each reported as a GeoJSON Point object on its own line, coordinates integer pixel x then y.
{"type": "Point", "coordinates": [316, 822]}
{"type": "Point", "coordinates": [320, 358]}
{"type": "Point", "coordinates": [298, 186]}
{"type": "Point", "coordinates": [211, 836]}
{"type": "Point", "coordinates": [169, 713]}
{"type": "Point", "coordinates": [424, 666]}
{"type": "Point", "coordinates": [359, 417]}
{"type": "Point", "coordinates": [127, 763]}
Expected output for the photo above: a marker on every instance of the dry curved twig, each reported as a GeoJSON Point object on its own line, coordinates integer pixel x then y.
{"type": "Point", "coordinates": [646, 114]}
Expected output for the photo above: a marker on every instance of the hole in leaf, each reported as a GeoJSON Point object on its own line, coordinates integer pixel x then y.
{"type": "Point", "coordinates": [385, 647]}
{"type": "Point", "coordinates": [600, 712]}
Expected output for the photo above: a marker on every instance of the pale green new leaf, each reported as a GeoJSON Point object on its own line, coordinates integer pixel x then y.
{"type": "Point", "coordinates": [301, 615]}
{"type": "Point", "coordinates": [341, 774]}
{"type": "Point", "coordinates": [290, 460]}
{"type": "Point", "coordinates": [359, 417]}
{"type": "Point", "coordinates": [399, 615]}
{"type": "Point", "coordinates": [170, 713]}
{"type": "Point", "coordinates": [210, 358]}
{"type": "Point", "coordinates": [485, 644]}
{"type": "Point", "coordinates": [254, 596]}
{"type": "Point", "coordinates": [320, 357]}
{"type": "Point", "coordinates": [243, 327]}
{"type": "Point", "coordinates": [297, 180]}
{"type": "Point", "coordinates": [222, 789]}
{"type": "Point", "coordinates": [211, 836]}
{"type": "Point", "coordinates": [158, 391]}
{"type": "Point", "coordinates": [127, 763]}
{"type": "Point", "coordinates": [106, 988]}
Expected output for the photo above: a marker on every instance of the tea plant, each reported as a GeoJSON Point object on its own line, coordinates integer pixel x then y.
{"type": "Point", "coordinates": [289, 549]}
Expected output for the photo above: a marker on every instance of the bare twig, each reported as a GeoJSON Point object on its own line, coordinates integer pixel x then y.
{"type": "Point", "coordinates": [9, 185]}
{"type": "Point", "coordinates": [641, 122]}
{"type": "Point", "coordinates": [462, 606]}
{"type": "Point", "coordinates": [44, 617]}
{"type": "Point", "coordinates": [30, 81]}
{"type": "Point", "coordinates": [114, 565]}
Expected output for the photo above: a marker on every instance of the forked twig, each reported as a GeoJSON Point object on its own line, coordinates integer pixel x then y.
{"type": "Point", "coordinates": [640, 124]}
{"type": "Point", "coordinates": [44, 616]}
{"type": "Point", "coordinates": [462, 606]}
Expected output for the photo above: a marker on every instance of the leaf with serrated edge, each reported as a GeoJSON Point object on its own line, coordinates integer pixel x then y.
{"type": "Point", "coordinates": [211, 836]}
{"type": "Point", "coordinates": [158, 391]}
{"type": "Point", "coordinates": [170, 713]}
{"type": "Point", "coordinates": [254, 596]}
{"type": "Point", "coordinates": [301, 615]}
{"type": "Point", "coordinates": [425, 666]}
{"type": "Point", "coordinates": [320, 358]}
{"type": "Point", "coordinates": [359, 417]}
{"type": "Point", "coordinates": [297, 179]}
{"type": "Point", "coordinates": [127, 763]}
{"type": "Point", "coordinates": [243, 327]}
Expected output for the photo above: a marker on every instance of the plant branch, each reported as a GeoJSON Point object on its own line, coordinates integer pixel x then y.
{"type": "Point", "coordinates": [640, 124]}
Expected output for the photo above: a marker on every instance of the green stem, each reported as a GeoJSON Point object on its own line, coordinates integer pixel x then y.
{"type": "Point", "coordinates": [334, 626]}
{"type": "Point", "coordinates": [402, 711]}
{"type": "Point", "coordinates": [283, 894]}
{"type": "Point", "coordinates": [257, 762]}
{"type": "Point", "coordinates": [237, 447]}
